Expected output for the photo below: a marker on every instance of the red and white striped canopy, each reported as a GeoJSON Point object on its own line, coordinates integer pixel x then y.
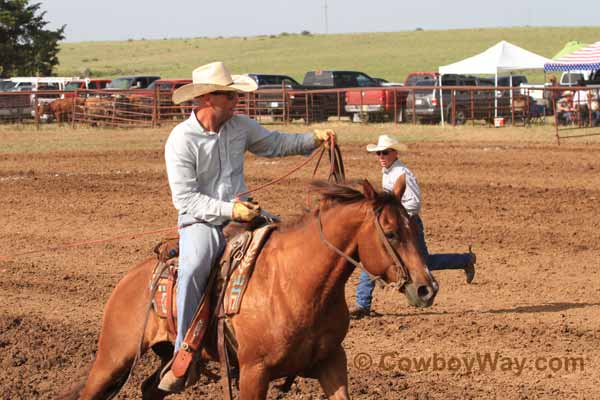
{"type": "Point", "coordinates": [586, 58]}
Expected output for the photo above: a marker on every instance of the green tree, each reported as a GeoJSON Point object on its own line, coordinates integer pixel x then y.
{"type": "Point", "coordinates": [26, 47]}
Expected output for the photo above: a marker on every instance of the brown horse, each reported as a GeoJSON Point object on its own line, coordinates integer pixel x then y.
{"type": "Point", "coordinates": [61, 109]}
{"type": "Point", "coordinates": [294, 316]}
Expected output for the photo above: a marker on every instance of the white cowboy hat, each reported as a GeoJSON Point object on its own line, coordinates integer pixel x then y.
{"type": "Point", "coordinates": [386, 142]}
{"type": "Point", "coordinates": [211, 78]}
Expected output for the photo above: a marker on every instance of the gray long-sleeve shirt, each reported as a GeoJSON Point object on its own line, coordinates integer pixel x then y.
{"type": "Point", "coordinates": [206, 169]}
{"type": "Point", "coordinates": [411, 200]}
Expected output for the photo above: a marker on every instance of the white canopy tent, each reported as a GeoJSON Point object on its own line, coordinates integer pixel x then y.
{"type": "Point", "coordinates": [502, 57]}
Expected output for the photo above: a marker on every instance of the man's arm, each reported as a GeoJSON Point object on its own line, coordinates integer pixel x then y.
{"type": "Point", "coordinates": [265, 143]}
{"type": "Point", "coordinates": [411, 200]}
{"type": "Point", "coordinates": [412, 195]}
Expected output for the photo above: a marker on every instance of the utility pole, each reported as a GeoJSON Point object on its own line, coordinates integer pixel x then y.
{"type": "Point", "coordinates": [325, 15]}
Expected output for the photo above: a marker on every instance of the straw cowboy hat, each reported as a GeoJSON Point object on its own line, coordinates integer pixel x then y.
{"type": "Point", "coordinates": [386, 142]}
{"type": "Point", "coordinates": [211, 78]}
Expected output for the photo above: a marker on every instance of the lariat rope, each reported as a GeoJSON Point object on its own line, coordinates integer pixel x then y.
{"type": "Point", "coordinates": [336, 171]}
{"type": "Point", "coordinates": [88, 242]}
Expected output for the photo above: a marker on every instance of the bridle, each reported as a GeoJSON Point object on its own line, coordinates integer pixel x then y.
{"type": "Point", "coordinates": [336, 174]}
{"type": "Point", "coordinates": [397, 263]}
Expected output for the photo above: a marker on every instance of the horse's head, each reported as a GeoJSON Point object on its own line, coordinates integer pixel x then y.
{"type": "Point", "coordinates": [43, 108]}
{"type": "Point", "coordinates": [388, 245]}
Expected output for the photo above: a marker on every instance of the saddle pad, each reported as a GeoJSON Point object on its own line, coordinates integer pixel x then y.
{"type": "Point", "coordinates": [163, 300]}
{"type": "Point", "coordinates": [167, 252]}
{"type": "Point", "coordinates": [241, 275]}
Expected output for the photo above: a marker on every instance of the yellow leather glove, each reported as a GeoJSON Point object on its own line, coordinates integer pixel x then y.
{"type": "Point", "coordinates": [244, 211]}
{"type": "Point", "coordinates": [322, 136]}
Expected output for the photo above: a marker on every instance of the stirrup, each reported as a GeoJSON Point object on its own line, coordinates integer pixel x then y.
{"type": "Point", "coordinates": [173, 384]}
{"type": "Point", "coordinates": [168, 381]}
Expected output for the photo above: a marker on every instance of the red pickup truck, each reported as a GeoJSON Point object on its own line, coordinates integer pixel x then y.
{"type": "Point", "coordinates": [84, 84]}
{"type": "Point", "coordinates": [383, 102]}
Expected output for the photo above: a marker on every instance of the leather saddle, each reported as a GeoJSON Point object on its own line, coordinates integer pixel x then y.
{"type": "Point", "coordinates": [226, 286]}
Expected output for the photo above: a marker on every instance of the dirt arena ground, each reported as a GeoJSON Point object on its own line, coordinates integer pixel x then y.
{"type": "Point", "coordinates": [527, 328]}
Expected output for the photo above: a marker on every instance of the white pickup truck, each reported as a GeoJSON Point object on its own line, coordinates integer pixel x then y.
{"type": "Point", "coordinates": [535, 91]}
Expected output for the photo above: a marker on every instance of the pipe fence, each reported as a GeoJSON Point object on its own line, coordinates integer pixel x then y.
{"type": "Point", "coordinates": [569, 109]}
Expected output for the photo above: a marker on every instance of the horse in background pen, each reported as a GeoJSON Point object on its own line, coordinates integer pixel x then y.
{"type": "Point", "coordinates": [61, 109]}
{"type": "Point", "coordinates": [294, 315]}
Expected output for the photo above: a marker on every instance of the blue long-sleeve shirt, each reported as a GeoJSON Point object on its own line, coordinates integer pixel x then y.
{"type": "Point", "coordinates": [206, 169]}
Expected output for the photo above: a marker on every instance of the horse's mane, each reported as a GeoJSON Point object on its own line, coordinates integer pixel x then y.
{"type": "Point", "coordinates": [334, 193]}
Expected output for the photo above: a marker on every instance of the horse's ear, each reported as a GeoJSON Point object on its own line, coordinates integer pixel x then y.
{"type": "Point", "coordinates": [368, 190]}
{"type": "Point", "coordinates": [399, 187]}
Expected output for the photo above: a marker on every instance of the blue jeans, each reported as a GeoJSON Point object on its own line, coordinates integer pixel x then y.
{"type": "Point", "coordinates": [595, 118]}
{"type": "Point", "coordinates": [364, 290]}
{"type": "Point", "coordinates": [199, 246]}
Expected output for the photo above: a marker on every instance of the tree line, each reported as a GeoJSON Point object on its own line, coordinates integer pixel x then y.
{"type": "Point", "coordinates": [27, 47]}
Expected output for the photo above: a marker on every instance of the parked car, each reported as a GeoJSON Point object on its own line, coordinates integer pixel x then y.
{"type": "Point", "coordinates": [593, 79]}
{"type": "Point", "coordinates": [85, 84]}
{"type": "Point", "coordinates": [320, 106]}
{"type": "Point", "coordinates": [263, 80]}
{"type": "Point", "coordinates": [6, 85]}
{"type": "Point", "coordinates": [163, 85]}
{"type": "Point", "coordinates": [22, 84]}
{"type": "Point", "coordinates": [15, 105]}
{"type": "Point", "coordinates": [385, 82]}
{"type": "Point", "coordinates": [44, 90]}
{"type": "Point", "coordinates": [165, 88]}
{"type": "Point", "coordinates": [269, 99]}
{"type": "Point", "coordinates": [505, 81]}
{"type": "Point", "coordinates": [132, 82]}
{"type": "Point", "coordinates": [381, 104]}
{"type": "Point", "coordinates": [469, 104]}
{"type": "Point", "coordinates": [570, 78]}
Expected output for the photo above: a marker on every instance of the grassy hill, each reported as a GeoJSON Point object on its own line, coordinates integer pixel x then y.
{"type": "Point", "coordinates": [389, 55]}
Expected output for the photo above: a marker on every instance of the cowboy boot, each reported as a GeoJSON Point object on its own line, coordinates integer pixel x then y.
{"type": "Point", "coordinates": [470, 267]}
{"type": "Point", "coordinates": [358, 312]}
{"type": "Point", "coordinates": [168, 381]}
{"type": "Point", "coordinates": [173, 384]}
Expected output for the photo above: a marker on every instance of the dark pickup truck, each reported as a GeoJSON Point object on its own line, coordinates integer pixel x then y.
{"type": "Point", "coordinates": [132, 82]}
{"type": "Point", "coordinates": [469, 103]}
{"type": "Point", "coordinates": [315, 106]}
{"type": "Point", "coordinates": [269, 99]}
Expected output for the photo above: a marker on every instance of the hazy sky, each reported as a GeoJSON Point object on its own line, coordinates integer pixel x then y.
{"type": "Point", "coordinates": [154, 19]}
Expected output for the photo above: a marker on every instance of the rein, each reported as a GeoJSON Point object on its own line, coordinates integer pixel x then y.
{"type": "Point", "coordinates": [336, 170]}
{"type": "Point", "coordinates": [398, 264]}
{"type": "Point", "coordinates": [337, 175]}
